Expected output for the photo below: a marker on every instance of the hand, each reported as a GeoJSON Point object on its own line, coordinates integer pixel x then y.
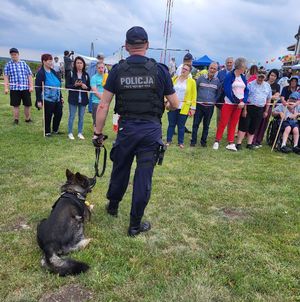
{"type": "Point", "coordinates": [281, 114]}
{"type": "Point", "coordinates": [241, 105]}
{"type": "Point", "coordinates": [30, 89]}
{"type": "Point", "coordinates": [244, 113]}
{"type": "Point", "coordinates": [83, 86]}
{"type": "Point", "coordinates": [192, 112]}
{"type": "Point", "coordinates": [167, 105]}
{"type": "Point", "coordinates": [77, 83]}
{"type": "Point", "coordinates": [62, 100]}
{"type": "Point", "coordinates": [265, 114]}
{"type": "Point", "coordinates": [98, 140]}
{"type": "Point", "coordinates": [6, 90]}
{"type": "Point", "coordinates": [40, 104]}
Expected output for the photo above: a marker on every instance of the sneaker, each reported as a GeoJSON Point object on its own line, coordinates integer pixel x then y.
{"type": "Point", "coordinates": [29, 121]}
{"type": "Point", "coordinates": [231, 147]}
{"type": "Point", "coordinates": [238, 147]}
{"type": "Point", "coordinates": [111, 210]}
{"type": "Point", "coordinates": [285, 149]}
{"type": "Point", "coordinates": [216, 145]}
{"type": "Point", "coordinates": [47, 134]}
{"type": "Point", "coordinates": [204, 145]}
{"type": "Point", "coordinates": [80, 136]}
{"type": "Point", "coordinates": [71, 136]}
{"type": "Point", "coordinates": [296, 150]}
{"type": "Point", "coordinates": [16, 122]}
{"type": "Point", "coordinates": [192, 145]}
{"type": "Point", "coordinates": [250, 147]}
{"type": "Point", "coordinates": [57, 132]}
{"type": "Point", "coordinates": [181, 146]}
{"type": "Point", "coordinates": [257, 145]}
{"type": "Point", "coordinates": [136, 230]}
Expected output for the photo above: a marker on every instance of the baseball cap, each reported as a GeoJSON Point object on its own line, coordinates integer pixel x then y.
{"type": "Point", "coordinates": [293, 78]}
{"type": "Point", "coordinates": [100, 56]}
{"type": "Point", "coordinates": [136, 35]}
{"type": "Point", "coordinates": [295, 95]}
{"type": "Point", "coordinates": [12, 50]}
{"type": "Point", "coordinates": [188, 56]}
{"type": "Point", "coordinates": [261, 73]}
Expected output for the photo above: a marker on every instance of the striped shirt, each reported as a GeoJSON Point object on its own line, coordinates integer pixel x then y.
{"type": "Point", "coordinates": [18, 73]}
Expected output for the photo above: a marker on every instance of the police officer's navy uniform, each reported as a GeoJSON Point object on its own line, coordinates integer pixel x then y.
{"type": "Point", "coordinates": [139, 84]}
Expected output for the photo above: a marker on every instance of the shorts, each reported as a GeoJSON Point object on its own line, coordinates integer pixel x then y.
{"type": "Point", "coordinates": [251, 122]}
{"type": "Point", "coordinates": [17, 95]}
{"type": "Point", "coordinates": [289, 123]}
{"type": "Point", "coordinates": [94, 112]}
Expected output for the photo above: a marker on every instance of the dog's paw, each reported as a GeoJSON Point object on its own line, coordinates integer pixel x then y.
{"type": "Point", "coordinates": [83, 243]}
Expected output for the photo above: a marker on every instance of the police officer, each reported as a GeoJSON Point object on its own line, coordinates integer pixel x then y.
{"type": "Point", "coordinates": [140, 85]}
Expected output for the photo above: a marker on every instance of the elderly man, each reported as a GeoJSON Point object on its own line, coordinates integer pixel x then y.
{"type": "Point", "coordinates": [140, 85]}
{"type": "Point", "coordinates": [208, 92]}
{"type": "Point", "coordinates": [260, 94]}
{"type": "Point", "coordinates": [18, 80]}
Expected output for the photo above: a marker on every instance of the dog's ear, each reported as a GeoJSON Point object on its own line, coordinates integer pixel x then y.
{"type": "Point", "coordinates": [80, 178]}
{"type": "Point", "coordinates": [69, 174]}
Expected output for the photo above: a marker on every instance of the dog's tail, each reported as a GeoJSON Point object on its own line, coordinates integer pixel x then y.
{"type": "Point", "coordinates": [64, 267]}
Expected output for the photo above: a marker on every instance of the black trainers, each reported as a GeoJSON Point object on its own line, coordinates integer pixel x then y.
{"type": "Point", "coordinates": [204, 145]}
{"type": "Point", "coordinates": [250, 147]}
{"type": "Point", "coordinates": [16, 122]}
{"type": "Point", "coordinates": [135, 230]}
{"type": "Point", "coordinates": [285, 149]}
{"type": "Point", "coordinates": [296, 150]}
{"type": "Point", "coordinates": [111, 210]}
{"type": "Point", "coordinates": [192, 145]}
{"type": "Point", "coordinates": [238, 147]}
{"type": "Point", "coordinates": [29, 121]}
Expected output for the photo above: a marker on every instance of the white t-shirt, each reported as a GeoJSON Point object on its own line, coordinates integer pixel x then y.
{"type": "Point", "coordinates": [180, 88]}
{"type": "Point", "coordinates": [238, 88]}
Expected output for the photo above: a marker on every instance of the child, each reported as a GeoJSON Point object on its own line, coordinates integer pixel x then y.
{"type": "Point", "coordinates": [289, 113]}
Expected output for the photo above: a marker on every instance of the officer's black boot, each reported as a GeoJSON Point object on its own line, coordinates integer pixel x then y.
{"type": "Point", "coordinates": [112, 208]}
{"type": "Point", "coordinates": [136, 227]}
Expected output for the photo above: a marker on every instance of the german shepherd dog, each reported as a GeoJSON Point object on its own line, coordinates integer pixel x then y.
{"type": "Point", "coordinates": [62, 231]}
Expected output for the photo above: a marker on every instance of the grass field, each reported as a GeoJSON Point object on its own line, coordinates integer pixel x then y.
{"type": "Point", "coordinates": [225, 225]}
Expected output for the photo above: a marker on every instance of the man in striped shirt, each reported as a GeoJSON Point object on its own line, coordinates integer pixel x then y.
{"type": "Point", "coordinates": [18, 80]}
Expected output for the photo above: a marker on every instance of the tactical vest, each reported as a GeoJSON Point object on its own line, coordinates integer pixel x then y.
{"type": "Point", "coordinates": [137, 95]}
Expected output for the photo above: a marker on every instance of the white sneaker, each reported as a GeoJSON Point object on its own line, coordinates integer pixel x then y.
{"type": "Point", "coordinates": [231, 147]}
{"type": "Point", "coordinates": [216, 146]}
{"type": "Point", "coordinates": [80, 136]}
{"type": "Point", "coordinates": [71, 136]}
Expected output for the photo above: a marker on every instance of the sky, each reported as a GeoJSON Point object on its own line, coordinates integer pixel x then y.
{"type": "Point", "coordinates": [258, 30]}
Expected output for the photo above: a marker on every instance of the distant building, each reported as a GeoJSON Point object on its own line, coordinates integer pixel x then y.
{"type": "Point", "coordinates": [296, 49]}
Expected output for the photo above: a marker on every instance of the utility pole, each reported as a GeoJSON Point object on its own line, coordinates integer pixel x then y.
{"type": "Point", "coordinates": [92, 52]}
{"type": "Point", "coordinates": [167, 27]}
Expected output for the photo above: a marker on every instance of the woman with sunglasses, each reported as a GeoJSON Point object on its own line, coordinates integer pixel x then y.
{"type": "Point", "coordinates": [185, 88]}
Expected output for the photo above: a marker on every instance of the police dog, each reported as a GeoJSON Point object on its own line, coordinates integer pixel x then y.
{"type": "Point", "coordinates": [62, 231]}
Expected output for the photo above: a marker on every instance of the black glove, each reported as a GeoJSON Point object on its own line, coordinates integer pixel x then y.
{"type": "Point", "coordinates": [98, 140]}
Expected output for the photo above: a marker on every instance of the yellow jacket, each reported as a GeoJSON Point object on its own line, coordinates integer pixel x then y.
{"type": "Point", "coordinates": [190, 95]}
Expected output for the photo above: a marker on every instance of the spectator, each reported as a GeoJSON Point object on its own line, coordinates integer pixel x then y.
{"type": "Point", "coordinates": [283, 81]}
{"type": "Point", "coordinates": [68, 62]}
{"type": "Point", "coordinates": [57, 67]}
{"type": "Point", "coordinates": [221, 76]}
{"type": "Point", "coordinates": [260, 94]}
{"type": "Point", "coordinates": [286, 91]}
{"type": "Point", "coordinates": [53, 100]}
{"type": "Point", "coordinates": [260, 132]}
{"type": "Point", "coordinates": [92, 70]}
{"type": "Point", "coordinates": [185, 88]}
{"type": "Point", "coordinates": [187, 59]}
{"type": "Point", "coordinates": [77, 79]}
{"type": "Point", "coordinates": [252, 76]}
{"type": "Point", "coordinates": [208, 92]}
{"type": "Point", "coordinates": [289, 113]}
{"type": "Point", "coordinates": [172, 67]}
{"type": "Point", "coordinates": [18, 80]}
{"type": "Point", "coordinates": [236, 95]}
{"type": "Point", "coordinates": [97, 83]}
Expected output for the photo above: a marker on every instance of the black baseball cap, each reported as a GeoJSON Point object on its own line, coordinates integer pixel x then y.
{"type": "Point", "coordinates": [13, 50]}
{"type": "Point", "coordinates": [136, 35]}
{"type": "Point", "coordinates": [187, 57]}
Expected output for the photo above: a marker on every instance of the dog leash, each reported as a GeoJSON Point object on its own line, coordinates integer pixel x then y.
{"type": "Point", "coordinates": [96, 166]}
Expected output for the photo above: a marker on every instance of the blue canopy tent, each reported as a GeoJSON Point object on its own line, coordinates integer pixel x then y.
{"type": "Point", "coordinates": [203, 61]}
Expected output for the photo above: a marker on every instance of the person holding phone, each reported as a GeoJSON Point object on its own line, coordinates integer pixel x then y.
{"type": "Point", "coordinates": [78, 79]}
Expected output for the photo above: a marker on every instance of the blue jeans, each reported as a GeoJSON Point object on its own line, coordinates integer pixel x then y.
{"type": "Point", "coordinates": [72, 113]}
{"type": "Point", "coordinates": [175, 118]}
{"type": "Point", "coordinates": [205, 113]}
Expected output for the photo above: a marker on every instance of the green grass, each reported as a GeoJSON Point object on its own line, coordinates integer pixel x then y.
{"type": "Point", "coordinates": [225, 225]}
